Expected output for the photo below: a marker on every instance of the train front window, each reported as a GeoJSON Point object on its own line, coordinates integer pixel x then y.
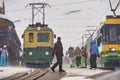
{"type": "Point", "coordinates": [43, 37]}
{"type": "Point", "coordinates": [112, 32]}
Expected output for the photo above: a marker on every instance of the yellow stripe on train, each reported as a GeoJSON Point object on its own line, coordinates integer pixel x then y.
{"type": "Point", "coordinates": [107, 47]}
{"type": "Point", "coordinates": [108, 55]}
{"type": "Point", "coordinates": [112, 21]}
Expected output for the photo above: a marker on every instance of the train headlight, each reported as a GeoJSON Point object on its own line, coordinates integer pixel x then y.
{"type": "Point", "coordinates": [46, 53]}
{"type": "Point", "coordinates": [30, 53]}
{"type": "Point", "coordinates": [38, 28]}
{"type": "Point", "coordinates": [112, 49]}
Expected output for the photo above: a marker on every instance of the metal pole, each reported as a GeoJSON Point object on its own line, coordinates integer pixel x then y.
{"type": "Point", "coordinates": [32, 14]}
{"type": "Point", "coordinates": [34, 7]}
{"type": "Point", "coordinates": [43, 14]}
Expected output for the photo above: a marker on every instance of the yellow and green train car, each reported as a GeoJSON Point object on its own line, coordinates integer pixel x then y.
{"type": "Point", "coordinates": [110, 39]}
{"type": "Point", "coordinates": [38, 45]}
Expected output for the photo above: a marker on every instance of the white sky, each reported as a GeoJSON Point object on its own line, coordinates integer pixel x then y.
{"type": "Point", "coordinates": [71, 26]}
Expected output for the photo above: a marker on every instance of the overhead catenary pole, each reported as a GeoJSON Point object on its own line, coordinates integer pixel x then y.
{"type": "Point", "coordinates": [43, 14]}
{"type": "Point", "coordinates": [40, 7]}
{"type": "Point", "coordinates": [2, 7]}
{"type": "Point", "coordinates": [32, 14]}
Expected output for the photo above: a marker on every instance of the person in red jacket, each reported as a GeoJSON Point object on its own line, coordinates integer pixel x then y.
{"type": "Point", "coordinates": [58, 51]}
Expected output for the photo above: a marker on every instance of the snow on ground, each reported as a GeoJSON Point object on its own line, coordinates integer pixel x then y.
{"type": "Point", "coordinates": [74, 78]}
{"type": "Point", "coordinates": [84, 71]}
{"type": "Point", "coordinates": [7, 71]}
{"type": "Point", "coordinates": [81, 73]}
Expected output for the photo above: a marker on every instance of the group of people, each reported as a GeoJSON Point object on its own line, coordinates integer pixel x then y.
{"type": "Point", "coordinates": [3, 55]}
{"type": "Point", "coordinates": [80, 55]}
{"type": "Point", "coordinates": [75, 54]}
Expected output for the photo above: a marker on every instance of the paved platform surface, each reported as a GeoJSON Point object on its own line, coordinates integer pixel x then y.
{"type": "Point", "coordinates": [82, 73]}
{"type": "Point", "coordinates": [112, 76]}
{"type": "Point", "coordinates": [8, 71]}
{"type": "Point", "coordinates": [71, 73]}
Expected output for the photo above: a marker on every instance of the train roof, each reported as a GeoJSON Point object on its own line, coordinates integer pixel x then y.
{"type": "Point", "coordinates": [41, 29]}
{"type": "Point", "coordinates": [112, 17]}
{"type": "Point", "coordinates": [4, 21]}
{"type": "Point", "coordinates": [34, 27]}
{"type": "Point", "coordinates": [112, 20]}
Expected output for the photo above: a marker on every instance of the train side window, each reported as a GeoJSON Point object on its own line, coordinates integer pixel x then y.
{"type": "Point", "coordinates": [31, 37]}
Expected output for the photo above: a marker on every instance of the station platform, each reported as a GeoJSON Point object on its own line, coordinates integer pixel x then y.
{"type": "Point", "coordinates": [71, 73]}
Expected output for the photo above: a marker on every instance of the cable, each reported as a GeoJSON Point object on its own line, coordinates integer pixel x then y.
{"type": "Point", "coordinates": [105, 12]}
{"type": "Point", "coordinates": [113, 10]}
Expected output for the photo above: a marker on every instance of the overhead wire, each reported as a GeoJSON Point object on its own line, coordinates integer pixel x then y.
{"type": "Point", "coordinates": [114, 9]}
{"type": "Point", "coordinates": [105, 12]}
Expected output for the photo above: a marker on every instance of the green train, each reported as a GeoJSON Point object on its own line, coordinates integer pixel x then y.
{"type": "Point", "coordinates": [110, 31]}
{"type": "Point", "coordinates": [38, 45]}
{"type": "Point", "coordinates": [107, 37]}
{"type": "Point", "coordinates": [38, 40]}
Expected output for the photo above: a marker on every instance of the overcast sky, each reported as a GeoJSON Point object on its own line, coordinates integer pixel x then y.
{"type": "Point", "coordinates": [68, 18]}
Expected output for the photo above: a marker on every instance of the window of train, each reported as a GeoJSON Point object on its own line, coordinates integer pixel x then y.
{"type": "Point", "coordinates": [112, 33]}
{"type": "Point", "coordinates": [43, 37]}
{"type": "Point", "coordinates": [2, 36]}
{"type": "Point", "coordinates": [31, 37]}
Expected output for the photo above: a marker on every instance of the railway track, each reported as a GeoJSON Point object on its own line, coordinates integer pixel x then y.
{"type": "Point", "coordinates": [37, 74]}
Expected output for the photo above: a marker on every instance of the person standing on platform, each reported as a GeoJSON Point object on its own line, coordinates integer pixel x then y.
{"type": "Point", "coordinates": [71, 55]}
{"type": "Point", "coordinates": [78, 55]}
{"type": "Point", "coordinates": [94, 54]}
{"type": "Point", "coordinates": [4, 55]}
{"type": "Point", "coordinates": [84, 56]}
{"type": "Point", "coordinates": [90, 51]}
{"type": "Point", "coordinates": [58, 51]}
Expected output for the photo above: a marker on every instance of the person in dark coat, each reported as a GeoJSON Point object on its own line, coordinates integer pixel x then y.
{"type": "Point", "coordinates": [95, 53]}
{"type": "Point", "coordinates": [90, 51]}
{"type": "Point", "coordinates": [58, 51]}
